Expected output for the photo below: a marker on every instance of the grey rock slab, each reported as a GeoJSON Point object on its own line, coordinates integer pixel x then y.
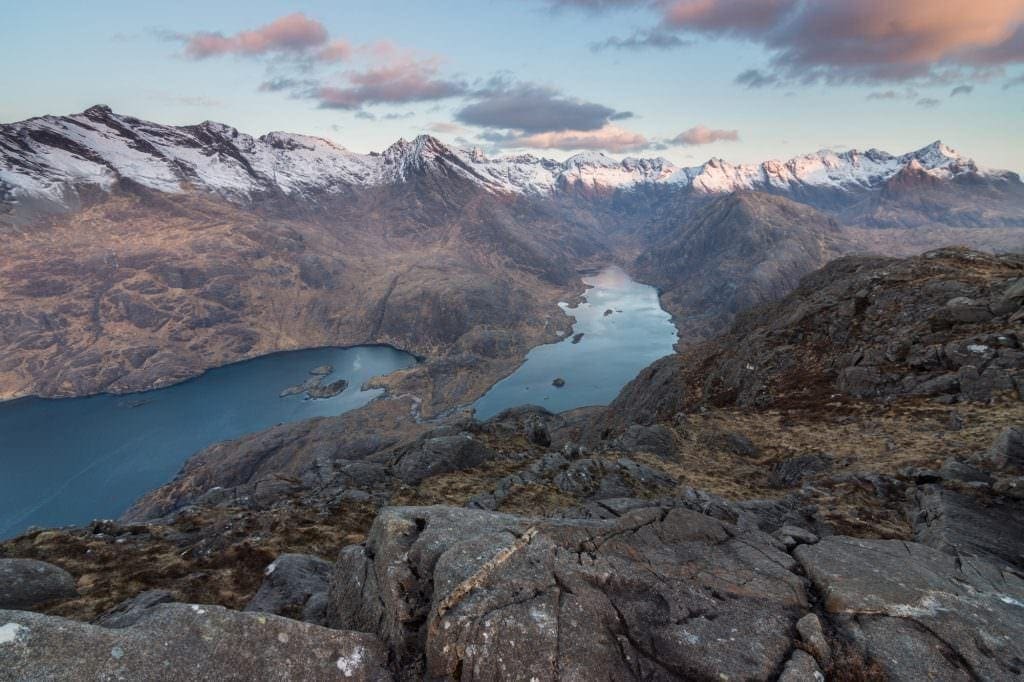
{"type": "Point", "coordinates": [28, 583]}
{"type": "Point", "coordinates": [185, 642]}
{"type": "Point", "coordinates": [658, 593]}
{"type": "Point", "coordinates": [991, 527]}
{"type": "Point", "coordinates": [918, 612]}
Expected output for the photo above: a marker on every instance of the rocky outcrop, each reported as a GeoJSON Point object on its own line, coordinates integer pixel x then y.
{"type": "Point", "coordinates": [185, 641]}
{"type": "Point", "coordinates": [659, 593]}
{"type": "Point", "coordinates": [27, 583]}
{"type": "Point", "coordinates": [944, 325]}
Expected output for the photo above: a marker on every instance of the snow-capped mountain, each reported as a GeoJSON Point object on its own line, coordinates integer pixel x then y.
{"type": "Point", "coordinates": [48, 159]}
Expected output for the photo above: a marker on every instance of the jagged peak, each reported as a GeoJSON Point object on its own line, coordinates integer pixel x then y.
{"type": "Point", "coordinates": [98, 111]}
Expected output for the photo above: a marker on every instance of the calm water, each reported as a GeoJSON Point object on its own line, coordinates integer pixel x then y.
{"type": "Point", "coordinates": [72, 460]}
{"type": "Point", "coordinates": [614, 348]}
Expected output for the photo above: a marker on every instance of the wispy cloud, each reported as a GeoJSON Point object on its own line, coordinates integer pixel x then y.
{"type": "Point", "coordinates": [928, 102]}
{"type": "Point", "coordinates": [700, 134]}
{"type": "Point", "coordinates": [656, 39]}
{"type": "Point", "coordinates": [961, 90]}
{"type": "Point", "coordinates": [755, 78]}
{"type": "Point", "coordinates": [291, 33]}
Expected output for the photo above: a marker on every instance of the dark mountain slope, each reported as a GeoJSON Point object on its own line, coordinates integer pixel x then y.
{"type": "Point", "coordinates": [732, 253]}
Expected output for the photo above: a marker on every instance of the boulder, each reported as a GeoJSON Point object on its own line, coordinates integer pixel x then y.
{"type": "Point", "coordinates": [659, 593]}
{"type": "Point", "coordinates": [801, 668]}
{"type": "Point", "coordinates": [27, 584]}
{"type": "Point", "coordinates": [790, 472]}
{"type": "Point", "coordinates": [656, 439]}
{"type": "Point", "coordinates": [1008, 448]}
{"type": "Point", "coordinates": [440, 455]}
{"type": "Point", "coordinates": [185, 642]}
{"type": "Point", "coordinates": [920, 613]}
{"type": "Point", "coordinates": [813, 637]}
{"type": "Point", "coordinates": [289, 583]}
{"type": "Point", "coordinates": [130, 610]}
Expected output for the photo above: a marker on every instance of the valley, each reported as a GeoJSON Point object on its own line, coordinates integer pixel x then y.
{"type": "Point", "coordinates": [822, 365]}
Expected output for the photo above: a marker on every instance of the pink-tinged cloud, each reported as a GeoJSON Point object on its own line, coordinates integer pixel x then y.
{"type": "Point", "coordinates": [704, 135]}
{"type": "Point", "coordinates": [404, 80]}
{"type": "Point", "coordinates": [335, 51]}
{"type": "Point", "coordinates": [292, 33]}
{"type": "Point", "coordinates": [610, 138]}
{"type": "Point", "coordinates": [863, 40]}
{"type": "Point", "coordinates": [446, 128]}
{"type": "Point", "coordinates": [726, 16]}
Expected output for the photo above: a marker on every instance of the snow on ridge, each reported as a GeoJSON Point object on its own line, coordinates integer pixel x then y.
{"type": "Point", "coordinates": [49, 156]}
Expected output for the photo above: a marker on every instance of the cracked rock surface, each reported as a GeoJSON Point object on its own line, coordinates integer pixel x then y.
{"type": "Point", "coordinates": [658, 593]}
{"type": "Point", "coordinates": [185, 642]}
{"type": "Point", "coordinates": [920, 613]}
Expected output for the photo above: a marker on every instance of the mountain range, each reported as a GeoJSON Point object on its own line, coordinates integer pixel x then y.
{"type": "Point", "coordinates": [136, 254]}
{"type": "Point", "coordinates": [49, 161]}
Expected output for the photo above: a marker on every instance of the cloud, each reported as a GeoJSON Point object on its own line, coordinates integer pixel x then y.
{"type": "Point", "coordinates": [297, 86]}
{"type": "Point", "coordinates": [842, 41]}
{"type": "Point", "coordinates": [853, 40]}
{"type": "Point", "coordinates": [888, 94]}
{"type": "Point", "coordinates": [906, 93]}
{"type": "Point", "coordinates": [754, 78]}
{"type": "Point", "coordinates": [446, 128]}
{"type": "Point", "coordinates": [404, 80]}
{"type": "Point", "coordinates": [294, 33]}
{"type": "Point", "coordinates": [596, 5]}
{"type": "Point", "coordinates": [928, 102]}
{"type": "Point", "coordinates": [1014, 82]}
{"type": "Point", "coordinates": [610, 138]}
{"type": "Point", "coordinates": [642, 40]}
{"type": "Point", "coordinates": [703, 135]}
{"type": "Point", "coordinates": [738, 17]}
{"type": "Point", "coordinates": [530, 108]}
{"type": "Point", "coordinates": [961, 90]}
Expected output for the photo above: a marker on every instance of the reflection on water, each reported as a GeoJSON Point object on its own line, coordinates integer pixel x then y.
{"type": "Point", "coordinates": [614, 347]}
{"type": "Point", "coordinates": [72, 460]}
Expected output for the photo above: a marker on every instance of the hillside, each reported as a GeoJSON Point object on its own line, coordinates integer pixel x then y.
{"type": "Point", "coordinates": [835, 483]}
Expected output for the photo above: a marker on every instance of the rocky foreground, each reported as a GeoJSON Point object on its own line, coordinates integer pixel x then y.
{"type": "Point", "coordinates": [835, 488]}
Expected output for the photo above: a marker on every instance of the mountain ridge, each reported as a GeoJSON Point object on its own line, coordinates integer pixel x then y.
{"type": "Point", "coordinates": [46, 159]}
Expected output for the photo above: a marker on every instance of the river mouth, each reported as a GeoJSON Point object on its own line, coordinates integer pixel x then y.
{"type": "Point", "coordinates": [69, 460]}
{"type": "Point", "coordinates": [620, 329]}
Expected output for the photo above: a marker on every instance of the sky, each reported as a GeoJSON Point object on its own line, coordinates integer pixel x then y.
{"type": "Point", "coordinates": [743, 80]}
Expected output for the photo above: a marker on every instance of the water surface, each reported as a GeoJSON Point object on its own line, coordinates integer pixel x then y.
{"type": "Point", "coordinates": [71, 460]}
{"type": "Point", "coordinates": [613, 349]}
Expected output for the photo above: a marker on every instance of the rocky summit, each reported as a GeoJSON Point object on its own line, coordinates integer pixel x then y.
{"type": "Point", "coordinates": [832, 489]}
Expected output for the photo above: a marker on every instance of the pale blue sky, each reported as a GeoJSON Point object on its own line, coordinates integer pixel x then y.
{"type": "Point", "coordinates": [61, 57]}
